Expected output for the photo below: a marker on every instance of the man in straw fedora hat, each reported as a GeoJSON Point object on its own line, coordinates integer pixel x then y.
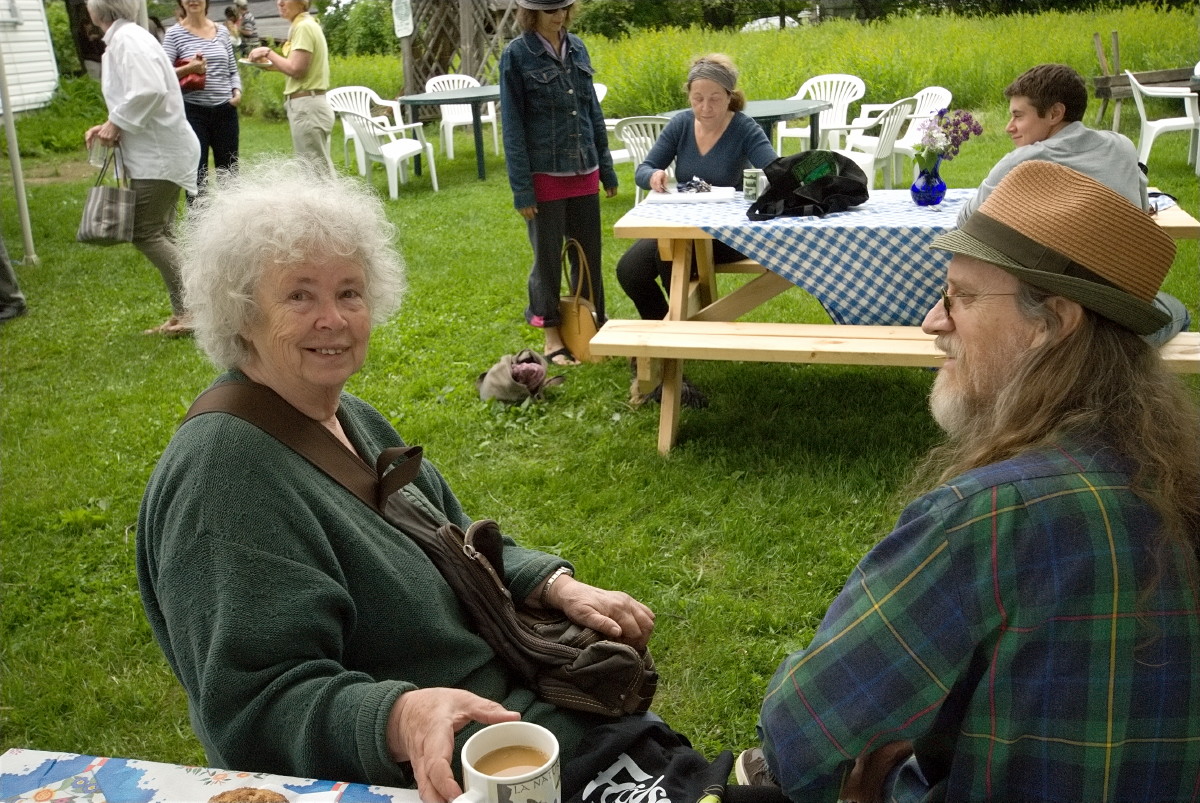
{"type": "Point", "coordinates": [1030, 629]}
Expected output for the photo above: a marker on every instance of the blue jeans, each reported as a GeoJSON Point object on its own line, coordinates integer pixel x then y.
{"type": "Point", "coordinates": [1178, 323]}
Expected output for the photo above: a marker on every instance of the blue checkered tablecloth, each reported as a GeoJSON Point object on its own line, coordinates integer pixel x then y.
{"type": "Point", "coordinates": [870, 265]}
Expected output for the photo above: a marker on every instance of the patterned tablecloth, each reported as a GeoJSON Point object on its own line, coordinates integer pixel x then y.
{"type": "Point", "coordinates": [870, 265]}
{"type": "Point", "coordinates": [34, 775]}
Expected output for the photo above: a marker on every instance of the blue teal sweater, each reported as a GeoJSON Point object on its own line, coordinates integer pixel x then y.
{"type": "Point", "coordinates": [742, 145]}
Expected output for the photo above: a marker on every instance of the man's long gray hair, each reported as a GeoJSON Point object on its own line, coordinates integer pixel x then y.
{"type": "Point", "coordinates": [1101, 381]}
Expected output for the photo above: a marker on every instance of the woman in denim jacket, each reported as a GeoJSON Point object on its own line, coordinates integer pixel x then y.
{"type": "Point", "coordinates": [556, 147]}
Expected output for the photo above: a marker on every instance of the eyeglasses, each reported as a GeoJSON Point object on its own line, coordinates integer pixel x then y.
{"type": "Point", "coordinates": [947, 295]}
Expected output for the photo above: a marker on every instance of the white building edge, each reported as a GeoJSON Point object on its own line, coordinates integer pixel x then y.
{"type": "Point", "coordinates": [30, 69]}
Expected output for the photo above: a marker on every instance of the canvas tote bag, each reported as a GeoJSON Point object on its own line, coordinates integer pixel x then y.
{"type": "Point", "coordinates": [578, 313]}
{"type": "Point", "coordinates": [108, 211]}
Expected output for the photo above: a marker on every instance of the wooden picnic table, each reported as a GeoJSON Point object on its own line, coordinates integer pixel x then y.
{"type": "Point", "coordinates": [870, 268]}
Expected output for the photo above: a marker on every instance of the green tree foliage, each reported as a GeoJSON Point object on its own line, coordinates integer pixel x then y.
{"type": "Point", "coordinates": [615, 18]}
{"type": "Point", "coordinates": [361, 28]}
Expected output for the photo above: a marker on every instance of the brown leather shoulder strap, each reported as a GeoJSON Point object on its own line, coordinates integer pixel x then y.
{"type": "Point", "coordinates": [267, 410]}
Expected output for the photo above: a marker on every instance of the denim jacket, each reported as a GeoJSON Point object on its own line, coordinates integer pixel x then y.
{"type": "Point", "coordinates": [552, 119]}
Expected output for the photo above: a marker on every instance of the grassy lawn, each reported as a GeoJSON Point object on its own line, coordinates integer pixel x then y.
{"type": "Point", "coordinates": [739, 539]}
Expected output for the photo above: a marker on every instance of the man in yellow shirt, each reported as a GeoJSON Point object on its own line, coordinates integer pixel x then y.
{"type": "Point", "coordinates": [305, 62]}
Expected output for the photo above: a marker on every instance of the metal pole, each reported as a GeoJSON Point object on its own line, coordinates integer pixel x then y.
{"type": "Point", "coordinates": [14, 156]}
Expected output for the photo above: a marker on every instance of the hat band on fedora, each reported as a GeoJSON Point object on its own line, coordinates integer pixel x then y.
{"type": "Point", "coordinates": [1029, 252]}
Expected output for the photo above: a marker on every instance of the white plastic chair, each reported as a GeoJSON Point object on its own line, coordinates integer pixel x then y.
{"type": "Point", "coordinates": [459, 114]}
{"type": "Point", "coordinates": [889, 123]}
{"type": "Point", "coordinates": [930, 100]}
{"type": "Point", "coordinates": [609, 122]}
{"type": "Point", "coordinates": [839, 89]}
{"type": "Point", "coordinates": [639, 134]}
{"type": "Point", "coordinates": [389, 146]}
{"type": "Point", "coordinates": [364, 101]}
{"type": "Point", "coordinates": [1152, 128]}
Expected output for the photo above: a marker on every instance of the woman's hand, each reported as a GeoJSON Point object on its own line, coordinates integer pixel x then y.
{"type": "Point", "coordinates": [236, 99]}
{"type": "Point", "coordinates": [613, 613]}
{"type": "Point", "coordinates": [610, 192]}
{"type": "Point", "coordinates": [421, 728]}
{"type": "Point", "coordinates": [258, 53]}
{"type": "Point", "coordinates": [658, 181]}
{"type": "Point", "coordinates": [193, 66]}
{"type": "Point", "coordinates": [528, 212]}
{"type": "Point", "coordinates": [108, 134]}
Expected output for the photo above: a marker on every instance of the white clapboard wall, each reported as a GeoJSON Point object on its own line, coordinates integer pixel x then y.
{"type": "Point", "coordinates": [28, 53]}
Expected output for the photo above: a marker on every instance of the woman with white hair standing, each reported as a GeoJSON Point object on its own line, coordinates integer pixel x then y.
{"type": "Point", "coordinates": [158, 149]}
{"type": "Point", "coordinates": [313, 637]}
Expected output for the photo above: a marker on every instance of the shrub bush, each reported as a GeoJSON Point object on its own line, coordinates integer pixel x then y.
{"type": "Point", "coordinates": [77, 105]}
{"type": "Point", "coordinates": [361, 28]}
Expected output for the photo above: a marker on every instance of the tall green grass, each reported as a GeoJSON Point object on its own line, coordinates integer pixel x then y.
{"type": "Point", "coordinates": [739, 539]}
{"type": "Point", "coordinates": [975, 58]}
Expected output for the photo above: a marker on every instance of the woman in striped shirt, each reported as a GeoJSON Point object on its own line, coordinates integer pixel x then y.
{"type": "Point", "coordinates": [205, 48]}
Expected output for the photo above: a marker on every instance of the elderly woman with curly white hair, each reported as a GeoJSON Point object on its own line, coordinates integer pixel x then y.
{"type": "Point", "coordinates": [312, 637]}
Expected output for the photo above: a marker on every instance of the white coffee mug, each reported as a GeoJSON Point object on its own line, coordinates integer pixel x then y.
{"type": "Point", "coordinates": [511, 762]}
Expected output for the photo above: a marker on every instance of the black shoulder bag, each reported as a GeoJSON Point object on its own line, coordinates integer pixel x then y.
{"type": "Point", "coordinates": [567, 665]}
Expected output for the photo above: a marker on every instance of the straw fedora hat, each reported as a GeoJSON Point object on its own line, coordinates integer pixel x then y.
{"type": "Point", "coordinates": [544, 5]}
{"type": "Point", "coordinates": [1070, 235]}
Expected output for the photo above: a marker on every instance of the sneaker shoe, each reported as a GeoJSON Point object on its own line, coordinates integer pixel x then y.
{"type": "Point", "coordinates": [751, 769]}
{"type": "Point", "coordinates": [10, 311]}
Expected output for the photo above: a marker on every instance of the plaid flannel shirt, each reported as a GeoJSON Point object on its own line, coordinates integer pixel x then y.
{"type": "Point", "coordinates": [1000, 628]}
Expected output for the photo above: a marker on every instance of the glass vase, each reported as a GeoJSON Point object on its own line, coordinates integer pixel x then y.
{"type": "Point", "coordinates": [928, 189]}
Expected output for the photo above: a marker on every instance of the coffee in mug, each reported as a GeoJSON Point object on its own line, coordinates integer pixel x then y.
{"type": "Point", "coordinates": [509, 762]}
{"type": "Point", "coordinates": [516, 759]}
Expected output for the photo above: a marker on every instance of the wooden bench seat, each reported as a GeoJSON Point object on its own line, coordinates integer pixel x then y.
{"type": "Point", "coordinates": [806, 343]}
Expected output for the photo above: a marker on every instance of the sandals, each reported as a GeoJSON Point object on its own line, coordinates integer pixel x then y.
{"type": "Point", "coordinates": [172, 327]}
{"type": "Point", "coordinates": [565, 353]}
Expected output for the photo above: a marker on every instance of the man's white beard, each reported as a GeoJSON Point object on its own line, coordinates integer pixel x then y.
{"type": "Point", "coordinates": [977, 381]}
{"type": "Point", "coordinates": [949, 407]}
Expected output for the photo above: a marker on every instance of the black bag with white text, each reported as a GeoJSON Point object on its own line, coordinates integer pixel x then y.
{"type": "Point", "coordinates": [642, 760]}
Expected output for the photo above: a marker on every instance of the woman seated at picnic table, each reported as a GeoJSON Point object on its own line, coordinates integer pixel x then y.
{"type": "Point", "coordinates": [313, 638]}
{"type": "Point", "coordinates": [713, 141]}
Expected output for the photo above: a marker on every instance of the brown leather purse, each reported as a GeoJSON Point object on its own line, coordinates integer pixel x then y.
{"type": "Point", "coordinates": [565, 664]}
{"type": "Point", "coordinates": [577, 311]}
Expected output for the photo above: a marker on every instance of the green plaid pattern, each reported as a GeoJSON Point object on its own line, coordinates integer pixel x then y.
{"type": "Point", "coordinates": [1000, 628]}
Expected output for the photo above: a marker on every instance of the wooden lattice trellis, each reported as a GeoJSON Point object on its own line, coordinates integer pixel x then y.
{"type": "Point", "coordinates": [457, 36]}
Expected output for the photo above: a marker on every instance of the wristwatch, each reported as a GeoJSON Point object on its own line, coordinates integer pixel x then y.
{"type": "Point", "coordinates": [554, 575]}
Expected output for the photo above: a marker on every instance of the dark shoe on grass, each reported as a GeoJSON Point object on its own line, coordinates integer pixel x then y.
{"type": "Point", "coordinates": [10, 311]}
{"type": "Point", "coordinates": [689, 396]}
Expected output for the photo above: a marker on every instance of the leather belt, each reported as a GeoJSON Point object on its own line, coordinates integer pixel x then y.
{"type": "Point", "coordinates": [305, 93]}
